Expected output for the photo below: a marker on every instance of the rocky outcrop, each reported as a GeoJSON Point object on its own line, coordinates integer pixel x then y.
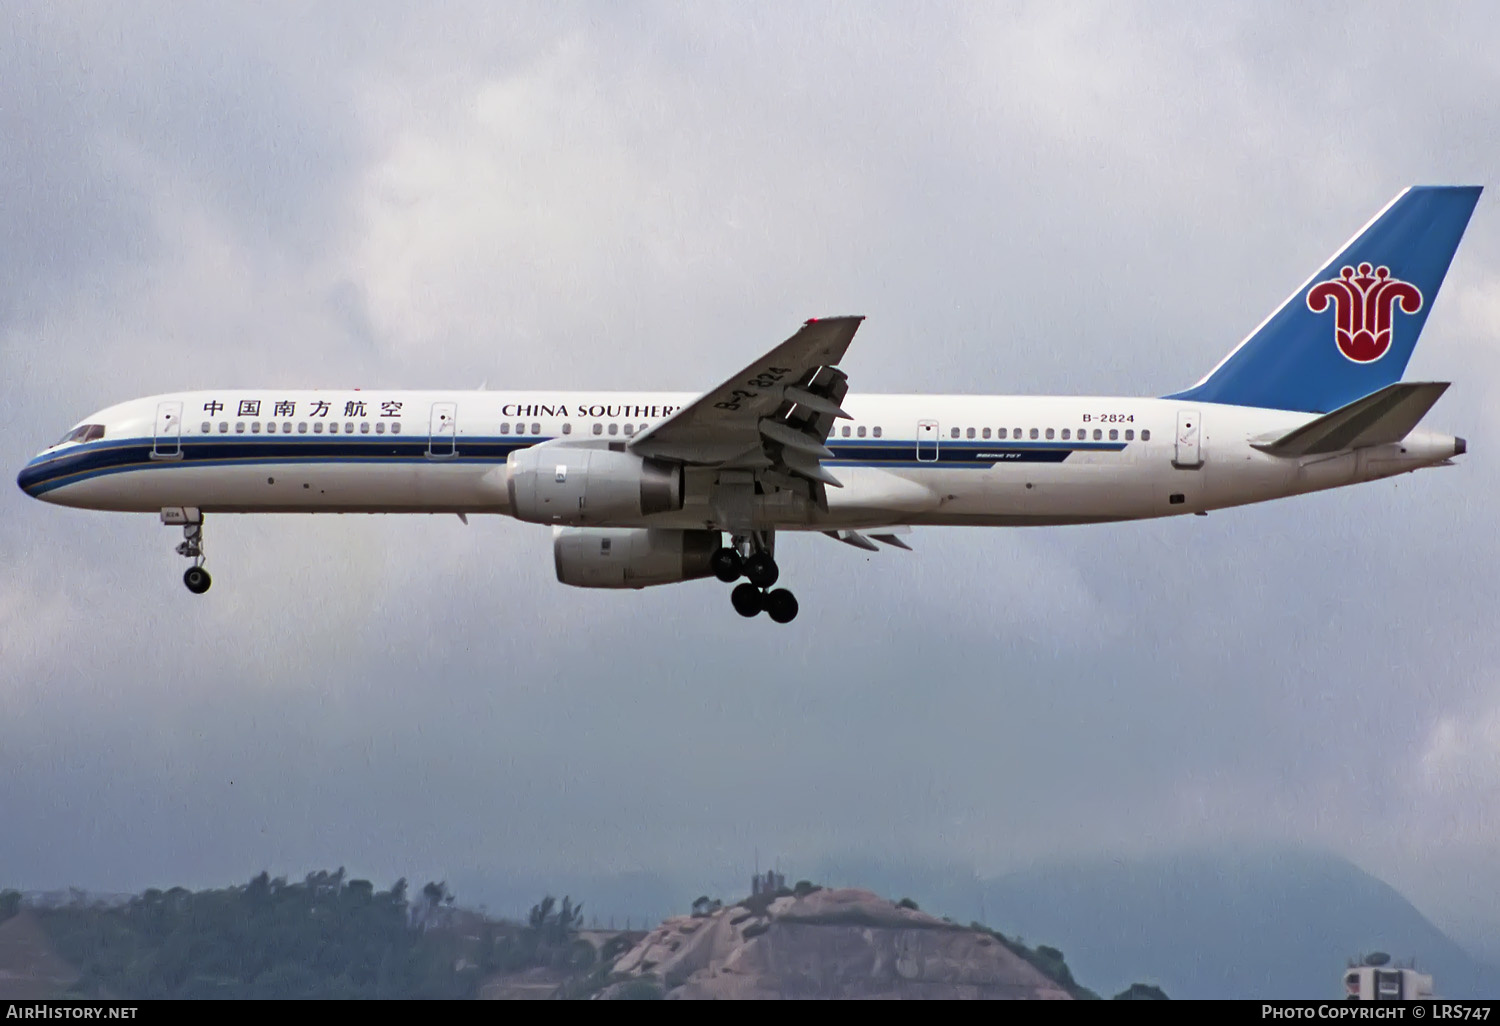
{"type": "Point", "coordinates": [827, 944]}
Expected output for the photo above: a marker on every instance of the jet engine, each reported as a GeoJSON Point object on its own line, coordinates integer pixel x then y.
{"type": "Point", "coordinates": [558, 484]}
{"type": "Point", "coordinates": [631, 557]}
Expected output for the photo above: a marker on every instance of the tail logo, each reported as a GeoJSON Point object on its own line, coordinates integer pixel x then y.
{"type": "Point", "coordinates": [1363, 305]}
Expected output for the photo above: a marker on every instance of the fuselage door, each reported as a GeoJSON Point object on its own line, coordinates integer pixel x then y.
{"type": "Point", "coordinates": [167, 443]}
{"type": "Point", "coordinates": [1189, 440]}
{"type": "Point", "coordinates": [927, 441]}
{"type": "Point", "coordinates": [443, 432]}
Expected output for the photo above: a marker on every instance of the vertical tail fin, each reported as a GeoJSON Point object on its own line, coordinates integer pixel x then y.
{"type": "Point", "coordinates": [1349, 329]}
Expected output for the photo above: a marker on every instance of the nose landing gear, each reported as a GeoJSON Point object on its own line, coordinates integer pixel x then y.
{"type": "Point", "coordinates": [196, 578]}
{"type": "Point", "coordinates": [751, 556]}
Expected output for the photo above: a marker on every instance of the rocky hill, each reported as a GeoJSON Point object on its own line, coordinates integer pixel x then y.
{"type": "Point", "coordinates": [826, 944]}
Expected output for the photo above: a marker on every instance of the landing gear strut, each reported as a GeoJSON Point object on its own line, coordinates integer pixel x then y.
{"type": "Point", "coordinates": [196, 578]}
{"type": "Point", "coordinates": [752, 556]}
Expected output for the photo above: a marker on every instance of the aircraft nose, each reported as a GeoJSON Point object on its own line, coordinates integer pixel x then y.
{"type": "Point", "coordinates": [29, 477]}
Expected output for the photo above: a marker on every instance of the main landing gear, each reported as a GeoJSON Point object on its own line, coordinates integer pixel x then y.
{"type": "Point", "coordinates": [750, 556]}
{"type": "Point", "coordinates": [196, 578]}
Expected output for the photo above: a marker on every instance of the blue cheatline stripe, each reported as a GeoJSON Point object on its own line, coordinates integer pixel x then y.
{"type": "Point", "coordinates": [95, 459]}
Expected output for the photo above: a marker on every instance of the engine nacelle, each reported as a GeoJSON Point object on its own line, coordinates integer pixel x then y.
{"type": "Point", "coordinates": [559, 484]}
{"type": "Point", "coordinates": [631, 557]}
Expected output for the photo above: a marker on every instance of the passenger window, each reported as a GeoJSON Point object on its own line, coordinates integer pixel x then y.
{"type": "Point", "coordinates": [614, 429]}
{"type": "Point", "coordinates": [985, 432]}
{"type": "Point", "coordinates": [1000, 433]}
{"type": "Point", "coordinates": [1114, 434]}
{"type": "Point", "coordinates": [223, 426]}
{"type": "Point", "coordinates": [206, 427]}
{"type": "Point", "coordinates": [505, 428]}
{"type": "Point", "coordinates": [1066, 434]}
{"type": "Point", "coordinates": [630, 429]}
{"type": "Point", "coordinates": [536, 429]}
{"type": "Point", "coordinates": [875, 432]}
{"type": "Point", "coordinates": [1145, 434]}
{"type": "Point", "coordinates": [270, 427]}
{"type": "Point", "coordinates": [317, 427]}
{"type": "Point", "coordinates": [349, 428]}
{"type": "Point", "coordinates": [969, 433]}
{"type": "Point", "coordinates": [364, 427]}
{"type": "Point", "coordinates": [598, 429]}
{"type": "Point", "coordinates": [1049, 434]}
{"type": "Point", "coordinates": [1129, 434]}
{"type": "Point", "coordinates": [380, 427]}
{"type": "Point", "coordinates": [302, 428]}
{"type": "Point", "coordinates": [847, 430]}
{"type": "Point", "coordinates": [396, 428]}
{"type": "Point", "coordinates": [255, 428]}
{"type": "Point", "coordinates": [860, 431]}
{"type": "Point", "coordinates": [955, 432]}
{"type": "Point", "coordinates": [1033, 434]}
{"type": "Point", "coordinates": [286, 427]}
{"type": "Point", "coordinates": [1098, 434]}
{"type": "Point", "coordinates": [239, 427]}
{"type": "Point", "coordinates": [567, 428]}
{"type": "Point", "coordinates": [1016, 434]}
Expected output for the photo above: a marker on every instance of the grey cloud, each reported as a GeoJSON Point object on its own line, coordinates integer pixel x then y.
{"type": "Point", "coordinates": [1095, 200]}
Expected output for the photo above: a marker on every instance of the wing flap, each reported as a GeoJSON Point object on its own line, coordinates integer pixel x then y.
{"type": "Point", "coordinates": [1380, 418]}
{"type": "Point", "coordinates": [886, 535]}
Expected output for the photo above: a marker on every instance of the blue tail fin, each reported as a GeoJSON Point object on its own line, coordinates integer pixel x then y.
{"type": "Point", "coordinates": [1351, 328]}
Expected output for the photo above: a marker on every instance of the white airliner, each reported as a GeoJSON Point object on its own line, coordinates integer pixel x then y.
{"type": "Point", "coordinates": [642, 489]}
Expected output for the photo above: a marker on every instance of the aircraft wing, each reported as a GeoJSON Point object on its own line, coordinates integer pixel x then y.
{"type": "Point", "coordinates": [772, 418]}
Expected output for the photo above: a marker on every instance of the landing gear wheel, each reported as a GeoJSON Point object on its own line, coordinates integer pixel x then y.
{"type": "Point", "coordinates": [727, 565]}
{"type": "Point", "coordinates": [781, 605]}
{"type": "Point", "coordinates": [761, 571]}
{"type": "Point", "coordinates": [747, 600]}
{"type": "Point", "coordinates": [197, 580]}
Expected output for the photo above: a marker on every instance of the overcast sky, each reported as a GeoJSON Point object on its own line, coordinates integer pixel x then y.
{"type": "Point", "coordinates": [1021, 198]}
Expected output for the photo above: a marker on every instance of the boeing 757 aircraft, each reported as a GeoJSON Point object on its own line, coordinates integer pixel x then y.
{"type": "Point", "coordinates": [642, 489]}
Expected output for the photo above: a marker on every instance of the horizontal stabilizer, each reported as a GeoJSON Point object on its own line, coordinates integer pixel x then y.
{"type": "Point", "coordinates": [1378, 419]}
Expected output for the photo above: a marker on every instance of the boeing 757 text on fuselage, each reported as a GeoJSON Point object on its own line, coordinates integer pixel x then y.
{"type": "Point", "coordinates": [647, 489]}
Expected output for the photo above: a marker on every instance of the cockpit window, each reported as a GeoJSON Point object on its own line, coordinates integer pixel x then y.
{"type": "Point", "coordinates": [82, 433]}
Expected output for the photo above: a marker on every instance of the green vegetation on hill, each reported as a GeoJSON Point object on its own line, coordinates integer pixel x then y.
{"type": "Point", "coordinates": [325, 937]}
{"type": "Point", "coordinates": [1046, 960]}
